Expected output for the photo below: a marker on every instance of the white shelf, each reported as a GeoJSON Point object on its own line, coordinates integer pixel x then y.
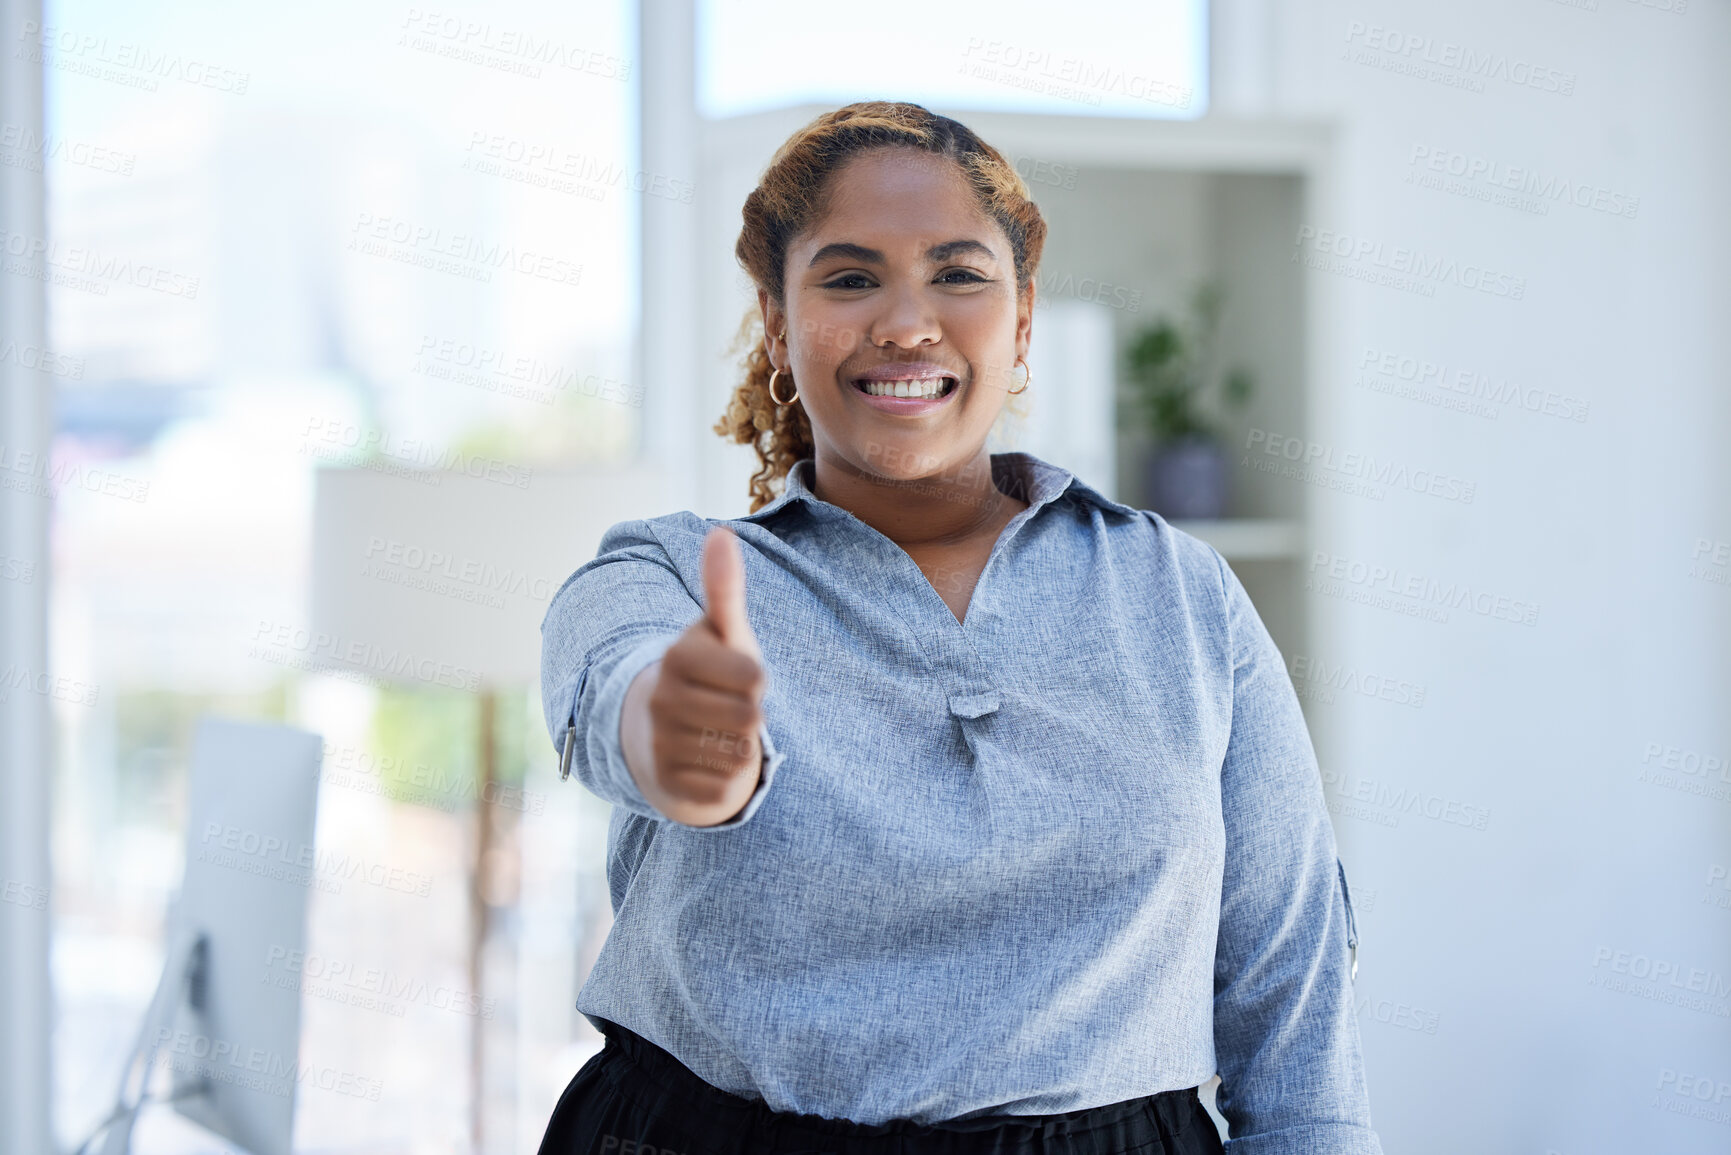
{"type": "Point", "coordinates": [1249, 538]}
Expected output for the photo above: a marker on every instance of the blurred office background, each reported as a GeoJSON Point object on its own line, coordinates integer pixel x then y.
{"type": "Point", "coordinates": [336, 321]}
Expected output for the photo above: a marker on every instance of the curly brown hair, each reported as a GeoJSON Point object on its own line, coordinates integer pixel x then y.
{"type": "Point", "coordinates": [791, 196]}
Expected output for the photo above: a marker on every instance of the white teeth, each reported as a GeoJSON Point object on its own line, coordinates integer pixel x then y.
{"type": "Point", "coordinates": [928, 387]}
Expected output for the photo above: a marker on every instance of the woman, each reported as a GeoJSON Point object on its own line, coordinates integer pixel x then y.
{"type": "Point", "coordinates": [956, 807]}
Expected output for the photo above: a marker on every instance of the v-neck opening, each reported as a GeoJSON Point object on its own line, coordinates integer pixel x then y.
{"type": "Point", "coordinates": [1004, 535]}
{"type": "Point", "coordinates": [1010, 467]}
{"type": "Point", "coordinates": [1002, 468]}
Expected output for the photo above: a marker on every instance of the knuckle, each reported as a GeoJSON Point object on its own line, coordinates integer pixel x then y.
{"type": "Point", "coordinates": [663, 748]}
{"type": "Point", "coordinates": [748, 672]}
{"type": "Point", "coordinates": [693, 784]}
{"type": "Point", "coordinates": [705, 790]}
{"type": "Point", "coordinates": [663, 709]}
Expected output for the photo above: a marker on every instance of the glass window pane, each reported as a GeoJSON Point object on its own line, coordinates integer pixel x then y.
{"type": "Point", "coordinates": [1147, 58]}
{"type": "Point", "coordinates": [286, 239]}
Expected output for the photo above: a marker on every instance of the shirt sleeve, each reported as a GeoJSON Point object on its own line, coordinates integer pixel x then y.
{"type": "Point", "coordinates": [613, 617]}
{"type": "Point", "coordinates": [1285, 1026]}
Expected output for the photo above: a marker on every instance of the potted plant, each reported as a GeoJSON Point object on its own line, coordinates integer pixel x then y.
{"type": "Point", "coordinates": [1170, 367]}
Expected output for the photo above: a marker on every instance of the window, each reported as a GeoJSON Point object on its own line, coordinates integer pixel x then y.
{"type": "Point", "coordinates": [1147, 58]}
{"type": "Point", "coordinates": [294, 238]}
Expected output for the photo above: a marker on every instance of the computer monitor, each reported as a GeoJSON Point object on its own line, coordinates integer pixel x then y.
{"type": "Point", "coordinates": [229, 1039]}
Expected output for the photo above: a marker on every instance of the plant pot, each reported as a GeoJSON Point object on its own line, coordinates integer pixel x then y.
{"type": "Point", "coordinates": [1187, 479]}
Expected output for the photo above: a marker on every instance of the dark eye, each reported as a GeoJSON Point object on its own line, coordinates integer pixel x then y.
{"type": "Point", "coordinates": [973, 278]}
{"type": "Point", "coordinates": [839, 282]}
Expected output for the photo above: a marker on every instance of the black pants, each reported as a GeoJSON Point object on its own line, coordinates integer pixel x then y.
{"type": "Point", "coordinates": [633, 1098]}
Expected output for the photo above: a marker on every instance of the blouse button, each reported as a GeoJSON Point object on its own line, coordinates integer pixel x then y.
{"type": "Point", "coordinates": [972, 705]}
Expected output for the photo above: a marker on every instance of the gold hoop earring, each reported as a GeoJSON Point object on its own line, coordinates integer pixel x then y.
{"type": "Point", "coordinates": [1027, 381]}
{"type": "Point", "coordinates": [776, 399]}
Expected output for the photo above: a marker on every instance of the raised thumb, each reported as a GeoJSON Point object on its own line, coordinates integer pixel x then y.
{"type": "Point", "coordinates": [724, 591]}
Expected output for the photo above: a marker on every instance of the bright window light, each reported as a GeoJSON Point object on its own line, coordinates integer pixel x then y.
{"type": "Point", "coordinates": [1147, 58]}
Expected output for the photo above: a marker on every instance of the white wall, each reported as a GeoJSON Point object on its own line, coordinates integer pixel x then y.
{"type": "Point", "coordinates": [1491, 939]}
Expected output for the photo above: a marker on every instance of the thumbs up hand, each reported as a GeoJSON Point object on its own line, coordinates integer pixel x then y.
{"type": "Point", "coordinates": [724, 591]}
{"type": "Point", "coordinates": [690, 723]}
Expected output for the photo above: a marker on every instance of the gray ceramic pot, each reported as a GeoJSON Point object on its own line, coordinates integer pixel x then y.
{"type": "Point", "coordinates": [1187, 479]}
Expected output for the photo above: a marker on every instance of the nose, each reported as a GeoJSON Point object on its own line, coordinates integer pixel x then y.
{"type": "Point", "coordinates": [906, 321]}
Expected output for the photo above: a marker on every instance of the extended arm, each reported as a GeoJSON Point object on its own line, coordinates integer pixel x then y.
{"type": "Point", "coordinates": [1285, 1029]}
{"type": "Point", "coordinates": [613, 619]}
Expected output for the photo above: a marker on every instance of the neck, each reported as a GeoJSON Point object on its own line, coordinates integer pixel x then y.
{"type": "Point", "coordinates": [948, 506]}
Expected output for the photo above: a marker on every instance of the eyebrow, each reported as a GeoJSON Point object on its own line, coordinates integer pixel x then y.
{"type": "Point", "coordinates": [941, 252]}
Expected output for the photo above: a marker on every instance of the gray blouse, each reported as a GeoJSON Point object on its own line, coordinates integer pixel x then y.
{"type": "Point", "coordinates": [1071, 851]}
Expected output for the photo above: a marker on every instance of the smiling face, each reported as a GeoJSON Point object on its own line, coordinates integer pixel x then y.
{"type": "Point", "coordinates": [904, 280]}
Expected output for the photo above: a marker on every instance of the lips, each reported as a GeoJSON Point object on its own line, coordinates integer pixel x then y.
{"type": "Point", "coordinates": [908, 406]}
{"type": "Point", "coordinates": [911, 387]}
{"type": "Point", "coordinates": [907, 388]}
{"type": "Point", "coordinates": [902, 378]}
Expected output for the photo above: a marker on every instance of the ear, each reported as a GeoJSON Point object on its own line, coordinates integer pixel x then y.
{"type": "Point", "coordinates": [1025, 318]}
{"type": "Point", "coordinates": [774, 322]}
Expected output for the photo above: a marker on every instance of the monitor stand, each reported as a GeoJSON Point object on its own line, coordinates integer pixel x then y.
{"type": "Point", "coordinates": [180, 990]}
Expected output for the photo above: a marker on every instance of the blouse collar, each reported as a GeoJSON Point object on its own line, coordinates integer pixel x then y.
{"type": "Point", "coordinates": [1016, 472]}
